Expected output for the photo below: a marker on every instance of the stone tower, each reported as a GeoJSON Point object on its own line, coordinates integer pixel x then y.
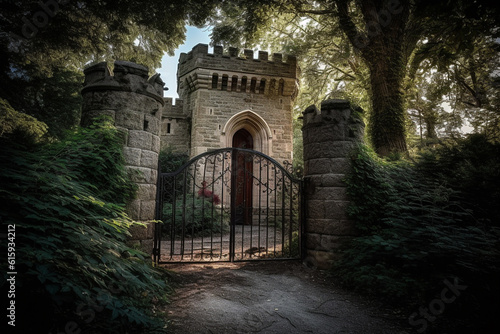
{"type": "Point", "coordinates": [134, 101]}
{"type": "Point", "coordinates": [232, 100]}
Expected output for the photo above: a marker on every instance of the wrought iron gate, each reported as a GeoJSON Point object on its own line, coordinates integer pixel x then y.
{"type": "Point", "coordinates": [230, 204]}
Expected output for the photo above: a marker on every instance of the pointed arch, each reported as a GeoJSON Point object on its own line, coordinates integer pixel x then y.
{"type": "Point", "coordinates": [254, 124]}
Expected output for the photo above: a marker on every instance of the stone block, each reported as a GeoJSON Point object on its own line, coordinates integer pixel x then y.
{"type": "Point", "coordinates": [332, 227]}
{"type": "Point", "coordinates": [315, 209]}
{"type": "Point", "coordinates": [140, 139]}
{"type": "Point", "coordinates": [328, 193]}
{"type": "Point", "coordinates": [153, 124]}
{"type": "Point", "coordinates": [338, 166]}
{"type": "Point", "coordinates": [148, 210]}
{"type": "Point", "coordinates": [149, 159]}
{"type": "Point", "coordinates": [329, 243]}
{"type": "Point", "coordinates": [142, 174]}
{"type": "Point", "coordinates": [336, 209]}
{"type": "Point", "coordinates": [146, 191]}
{"type": "Point", "coordinates": [155, 147]}
{"type": "Point", "coordinates": [313, 240]}
{"type": "Point", "coordinates": [317, 225]}
{"type": "Point", "coordinates": [129, 119]}
{"type": "Point", "coordinates": [132, 156]}
{"type": "Point", "coordinates": [338, 149]}
{"type": "Point", "coordinates": [333, 180]}
{"type": "Point", "coordinates": [326, 166]}
{"type": "Point", "coordinates": [134, 209]}
{"type": "Point", "coordinates": [317, 166]}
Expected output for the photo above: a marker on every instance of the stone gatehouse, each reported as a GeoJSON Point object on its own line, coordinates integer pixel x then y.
{"type": "Point", "coordinates": [232, 99]}
{"type": "Point", "coordinates": [228, 100]}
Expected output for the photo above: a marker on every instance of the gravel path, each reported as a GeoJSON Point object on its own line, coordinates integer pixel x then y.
{"type": "Point", "coordinates": [269, 297]}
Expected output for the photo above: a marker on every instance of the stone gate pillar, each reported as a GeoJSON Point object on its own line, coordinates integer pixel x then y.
{"type": "Point", "coordinates": [329, 135]}
{"type": "Point", "coordinates": [134, 101]}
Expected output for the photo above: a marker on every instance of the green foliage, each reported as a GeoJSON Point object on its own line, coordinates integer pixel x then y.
{"type": "Point", "coordinates": [195, 216]}
{"type": "Point", "coordinates": [414, 231]}
{"type": "Point", "coordinates": [53, 99]}
{"type": "Point", "coordinates": [18, 126]}
{"type": "Point", "coordinates": [385, 56]}
{"type": "Point", "coordinates": [66, 201]}
{"type": "Point", "coordinates": [291, 248]}
{"type": "Point", "coordinates": [471, 167]}
{"type": "Point", "coordinates": [170, 161]}
{"type": "Point", "coordinates": [95, 155]}
{"type": "Point", "coordinates": [42, 59]}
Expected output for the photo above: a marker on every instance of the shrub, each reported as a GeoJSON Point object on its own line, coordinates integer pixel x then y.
{"type": "Point", "coordinates": [471, 166]}
{"type": "Point", "coordinates": [195, 216]}
{"type": "Point", "coordinates": [66, 201]}
{"type": "Point", "coordinates": [20, 127]}
{"type": "Point", "coordinates": [171, 161]}
{"type": "Point", "coordinates": [414, 232]}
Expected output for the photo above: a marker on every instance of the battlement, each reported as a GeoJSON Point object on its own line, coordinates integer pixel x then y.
{"type": "Point", "coordinates": [171, 109]}
{"type": "Point", "coordinates": [338, 117]}
{"type": "Point", "coordinates": [126, 76]}
{"type": "Point", "coordinates": [199, 57]}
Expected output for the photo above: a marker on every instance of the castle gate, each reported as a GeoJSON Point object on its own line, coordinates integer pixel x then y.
{"type": "Point", "coordinates": [230, 204]}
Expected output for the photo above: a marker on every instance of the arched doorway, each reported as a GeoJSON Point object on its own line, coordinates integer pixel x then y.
{"type": "Point", "coordinates": [242, 181]}
{"type": "Point", "coordinates": [255, 125]}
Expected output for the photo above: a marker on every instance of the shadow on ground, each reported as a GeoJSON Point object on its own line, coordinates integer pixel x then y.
{"type": "Point", "coordinates": [269, 297]}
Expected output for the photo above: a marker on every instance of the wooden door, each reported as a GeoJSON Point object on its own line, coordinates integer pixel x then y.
{"type": "Point", "coordinates": [243, 180]}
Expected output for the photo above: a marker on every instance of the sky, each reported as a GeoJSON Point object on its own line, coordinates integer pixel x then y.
{"type": "Point", "coordinates": [168, 70]}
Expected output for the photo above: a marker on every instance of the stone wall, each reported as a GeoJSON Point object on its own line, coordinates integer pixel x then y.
{"type": "Point", "coordinates": [175, 126]}
{"type": "Point", "coordinates": [216, 87]}
{"type": "Point", "coordinates": [329, 136]}
{"type": "Point", "coordinates": [134, 101]}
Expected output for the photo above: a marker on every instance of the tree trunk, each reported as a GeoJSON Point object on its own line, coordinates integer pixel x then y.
{"type": "Point", "coordinates": [381, 45]}
{"type": "Point", "coordinates": [386, 125]}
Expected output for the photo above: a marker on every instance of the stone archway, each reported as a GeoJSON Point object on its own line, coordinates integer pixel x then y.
{"type": "Point", "coordinates": [256, 126]}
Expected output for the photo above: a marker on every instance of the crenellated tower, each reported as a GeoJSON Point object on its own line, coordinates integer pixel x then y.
{"type": "Point", "coordinates": [134, 102]}
{"type": "Point", "coordinates": [232, 99]}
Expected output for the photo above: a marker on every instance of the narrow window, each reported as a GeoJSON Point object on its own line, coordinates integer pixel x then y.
{"type": "Point", "coordinates": [168, 128]}
{"type": "Point", "coordinates": [272, 87]}
{"type": "Point", "coordinates": [215, 80]}
{"type": "Point", "coordinates": [281, 87]}
{"type": "Point", "coordinates": [146, 125]}
{"type": "Point", "coordinates": [262, 86]}
{"type": "Point", "coordinates": [224, 82]}
{"type": "Point", "coordinates": [234, 83]}
{"type": "Point", "coordinates": [253, 84]}
{"type": "Point", "coordinates": [244, 84]}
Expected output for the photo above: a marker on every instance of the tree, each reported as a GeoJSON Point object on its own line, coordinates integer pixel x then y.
{"type": "Point", "coordinates": [384, 35]}
{"type": "Point", "coordinates": [46, 44]}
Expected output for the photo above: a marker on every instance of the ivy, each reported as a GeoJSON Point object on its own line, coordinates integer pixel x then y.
{"type": "Point", "coordinates": [67, 202]}
{"type": "Point", "coordinates": [415, 230]}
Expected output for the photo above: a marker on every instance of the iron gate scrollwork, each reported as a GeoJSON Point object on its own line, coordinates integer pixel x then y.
{"type": "Point", "coordinates": [229, 204]}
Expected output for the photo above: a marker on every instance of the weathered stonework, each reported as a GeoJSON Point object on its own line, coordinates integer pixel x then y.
{"type": "Point", "coordinates": [135, 102]}
{"type": "Point", "coordinates": [329, 135]}
{"type": "Point", "coordinates": [223, 93]}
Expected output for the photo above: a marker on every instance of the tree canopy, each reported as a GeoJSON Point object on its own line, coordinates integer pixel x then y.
{"type": "Point", "coordinates": [46, 44]}
{"type": "Point", "coordinates": [375, 47]}
{"type": "Point", "coordinates": [400, 60]}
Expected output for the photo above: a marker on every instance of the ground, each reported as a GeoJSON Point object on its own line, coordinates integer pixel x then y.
{"type": "Point", "coordinates": [271, 297]}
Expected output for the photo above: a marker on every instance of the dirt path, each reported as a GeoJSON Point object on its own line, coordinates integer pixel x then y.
{"type": "Point", "coordinates": [269, 297]}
